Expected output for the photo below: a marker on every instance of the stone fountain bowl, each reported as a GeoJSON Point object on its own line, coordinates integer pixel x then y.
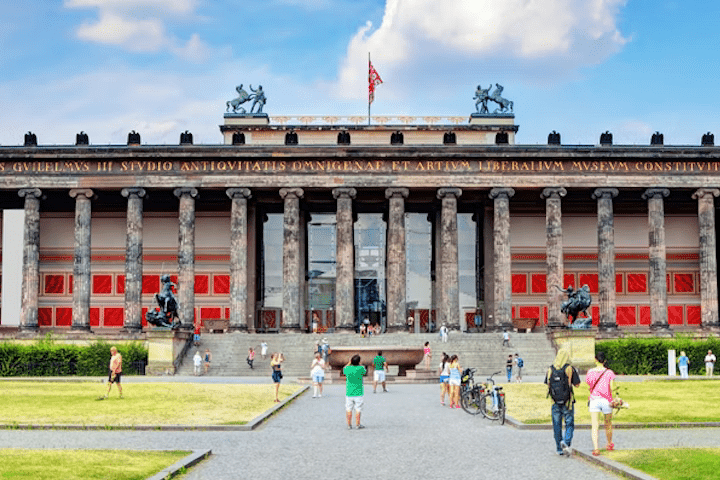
{"type": "Point", "coordinates": [405, 357]}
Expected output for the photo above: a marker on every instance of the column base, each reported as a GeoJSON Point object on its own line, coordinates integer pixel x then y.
{"type": "Point", "coordinates": [291, 329]}
{"type": "Point", "coordinates": [238, 328]}
{"type": "Point", "coordinates": [344, 329]}
{"type": "Point", "coordinates": [132, 328]}
{"type": "Point", "coordinates": [607, 327]}
{"type": "Point", "coordinates": [29, 328]}
{"type": "Point", "coordinates": [80, 328]}
{"type": "Point", "coordinates": [714, 326]}
{"type": "Point", "coordinates": [395, 328]}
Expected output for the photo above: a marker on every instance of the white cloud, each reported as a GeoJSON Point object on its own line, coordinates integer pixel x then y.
{"type": "Point", "coordinates": [140, 26]}
{"type": "Point", "coordinates": [483, 35]}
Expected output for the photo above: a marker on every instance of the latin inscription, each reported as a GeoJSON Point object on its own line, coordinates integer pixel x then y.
{"type": "Point", "coordinates": [357, 166]}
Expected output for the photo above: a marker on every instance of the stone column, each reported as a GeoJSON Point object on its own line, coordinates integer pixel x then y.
{"type": "Point", "coordinates": [291, 316]}
{"type": "Point", "coordinates": [81, 267]}
{"type": "Point", "coordinates": [238, 258]}
{"type": "Point", "coordinates": [345, 259]}
{"type": "Point", "coordinates": [708, 258]}
{"type": "Point", "coordinates": [449, 289]}
{"type": "Point", "coordinates": [502, 278]}
{"type": "Point", "coordinates": [554, 253]}
{"type": "Point", "coordinates": [606, 257]}
{"type": "Point", "coordinates": [396, 259]}
{"type": "Point", "coordinates": [186, 255]}
{"type": "Point", "coordinates": [133, 258]}
{"type": "Point", "coordinates": [658, 266]}
{"type": "Point", "coordinates": [31, 259]}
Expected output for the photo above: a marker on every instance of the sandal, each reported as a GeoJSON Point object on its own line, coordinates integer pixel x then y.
{"type": "Point", "coordinates": [610, 447]}
{"type": "Point", "coordinates": [596, 453]}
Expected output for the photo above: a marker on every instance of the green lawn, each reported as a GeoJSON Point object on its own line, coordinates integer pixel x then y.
{"type": "Point", "coordinates": [650, 401]}
{"type": "Point", "coordinates": [672, 463]}
{"type": "Point", "coordinates": [143, 403]}
{"type": "Point", "coordinates": [84, 464]}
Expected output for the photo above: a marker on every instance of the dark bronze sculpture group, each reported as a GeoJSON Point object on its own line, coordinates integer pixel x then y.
{"type": "Point", "coordinates": [166, 315]}
{"type": "Point", "coordinates": [578, 301]}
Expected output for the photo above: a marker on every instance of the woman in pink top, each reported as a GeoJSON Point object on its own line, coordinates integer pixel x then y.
{"type": "Point", "coordinates": [601, 381]}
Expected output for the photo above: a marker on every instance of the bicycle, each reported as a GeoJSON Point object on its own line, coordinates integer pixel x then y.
{"type": "Point", "coordinates": [494, 398]}
{"type": "Point", "coordinates": [470, 393]}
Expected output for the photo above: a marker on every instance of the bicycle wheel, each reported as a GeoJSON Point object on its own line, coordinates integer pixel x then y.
{"type": "Point", "coordinates": [470, 402]}
{"type": "Point", "coordinates": [486, 407]}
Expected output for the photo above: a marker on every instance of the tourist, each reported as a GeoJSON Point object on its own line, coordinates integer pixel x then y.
{"type": "Point", "coordinates": [427, 352]}
{"type": "Point", "coordinates": [444, 377]}
{"type": "Point", "coordinates": [325, 349]}
{"type": "Point", "coordinates": [709, 363]}
{"type": "Point", "coordinates": [315, 322]}
{"type": "Point", "coordinates": [508, 367]}
{"type": "Point", "coordinates": [560, 379]}
{"type": "Point", "coordinates": [444, 333]}
{"type": "Point", "coordinates": [378, 329]}
{"type": "Point", "coordinates": [208, 359]}
{"type": "Point", "coordinates": [506, 338]}
{"type": "Point", "coordinates": [362, 330]}
{"type": "Point", "coordinates": [115, 371]}
{"type": "Point", "coordinates": [454, 382]}
{"type": "Point", "coordinates": [196, 335]}
{"type": "Point", "coordinates": [317, 374]}
{"type": "Point", "coordinates": [197, 362]}
{"type": "Point", "coordinates": [381, 367]}
{"type": "Point", "coordinates": [601, 381]}
{"type": "Point", "coordinates": [263, 348]}
{"type": "Point", "coordinates": [276, 365]}
{"type": "Point", "coordinates": [683, 363]}
{"type": "Point", "coordinates": [354, 373]}
{"type": "Point", "coordinates": [251, 357]}
{"type": "Point", "coordinates": [519, 364]}
{"type": "Point", "coordinates": [411, 324]}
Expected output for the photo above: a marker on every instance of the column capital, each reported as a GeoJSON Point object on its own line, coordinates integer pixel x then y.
{"type": "Point", "coordinates": [605, 193]}
{"type": "Point", "coordinates": [501, 191]}
{"type": "Point", "coordinates": [655, 193]}
{"type": "Point", "coordinates": [344, 192]}
{"type": "Point", "coordinates": [238, 192]}
{"type": "Point", "coordinates": [85, 192]}
{"type": "Point", "coordinates": [295, 192]}
{"type": "Point", "coordinates": [133, 191]}
{"type": "Point", "coordinates": [30, 192]}
{"type": "Point", "coordinates": [448, 192]}
{"type": "Point", "coordinates": [183, 191]}
{"type": "Point", "coordinates": [709, 192]}
{"type": "Point", "coordinates": [393, 192]}
{"type": "Point", "coordinates": [553, 192]}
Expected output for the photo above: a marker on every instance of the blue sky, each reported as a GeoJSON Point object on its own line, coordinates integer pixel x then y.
{"type": "Point", "coordinates": [163, 66]}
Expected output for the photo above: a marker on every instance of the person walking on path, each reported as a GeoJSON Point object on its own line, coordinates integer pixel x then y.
{"type": "Point", "coordinates": [196, 335]}
{"type": "Point", "coordinates": [317, 374]}
{"type": "Point", "coordinates": [276, 365]}
{"type": "Point", "coordinates": [508, 367]}
{"type": "Point", "coordinates": [207, 358]}
{"type": "Point", "coordinates": [601, 381]}
{"type": "Point", "coordinates": [263, 348]}
{"type": "Point", "coordinates": [560, 379]}
{"type": "Point", "coordinates": [325, 349]}
{"type": "Point", "coordinates": [683, 363]}
{"type": "Point", "coordinates": [444, 333]}
{"type": "Point", "coordinates": [710, 360]}
{"type": "Point", "coordinates": [197, 362]}
{"type": "Point", "coordinates": [427, 355]}
{"type": "Point", "coordinates": [115, 371]}
{"type": "Point", "coordinates": [444, 378]}
{"type": "Point", "coordinates": [251, 357]}
{"type": "Point", "coordinates": [454, 382]}
{"type": "Point", "coordinates": [354, 373]}
{"type": "Point", "coordinates": [381, 367]}
{"type": "Point", "coordinates": [506, 338]}
{"type": "Point", "coordinates": [519, 364]}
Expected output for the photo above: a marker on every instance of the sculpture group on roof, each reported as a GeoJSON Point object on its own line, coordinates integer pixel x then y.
{"type": "Point", "coordinates": [258, 100]}
{"type": "Point", "coordinates": [483, 95]}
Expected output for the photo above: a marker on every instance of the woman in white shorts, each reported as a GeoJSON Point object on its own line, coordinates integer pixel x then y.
{"type": "Point", "coordinates": [454, 382]}
{"type": "Point", "coordinates": [317, 374]}
{"type": "Point", "coordinates": [601, 381]}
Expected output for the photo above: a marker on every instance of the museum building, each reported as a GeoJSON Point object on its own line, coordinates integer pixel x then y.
{"type": "Point", "coordinates": [443, 219]}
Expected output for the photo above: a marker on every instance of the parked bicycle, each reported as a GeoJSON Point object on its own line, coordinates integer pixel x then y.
{"type": "Point", "coordinates": [470, 392]}
{"type": "Point", "coordinates": [492, 402]}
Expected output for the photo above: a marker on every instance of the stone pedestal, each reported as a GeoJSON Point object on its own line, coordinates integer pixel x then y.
{"type": "Point", "coordinates": [165, 349]}
{"type": "Point", "coordinates": [581, 345]}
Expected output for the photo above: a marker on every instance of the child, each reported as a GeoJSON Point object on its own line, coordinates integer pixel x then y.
{"type": "Point", "coordinates": [250, 357]}
{"type": "Point", "coordinates": [427, 351]}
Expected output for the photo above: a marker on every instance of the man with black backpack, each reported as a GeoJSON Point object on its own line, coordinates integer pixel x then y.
{"type": "Point", "coordinates": [560, 379]}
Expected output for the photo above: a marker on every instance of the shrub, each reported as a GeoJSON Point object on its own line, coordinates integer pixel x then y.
{"type": "Point", "coordinates": [643, 356]}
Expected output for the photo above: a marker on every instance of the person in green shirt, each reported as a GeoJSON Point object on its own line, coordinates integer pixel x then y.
{"type": "Point", "coordinates": [381, 367]}
{"type": "Point", "coordinates": [354, 373]}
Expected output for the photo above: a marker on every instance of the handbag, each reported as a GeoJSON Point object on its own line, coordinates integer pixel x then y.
{"type": "Point", "coordinates": [595, 385]}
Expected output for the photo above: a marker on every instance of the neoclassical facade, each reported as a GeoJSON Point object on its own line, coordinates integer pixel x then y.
{"type": "Point", "coordinates": [445, 222]}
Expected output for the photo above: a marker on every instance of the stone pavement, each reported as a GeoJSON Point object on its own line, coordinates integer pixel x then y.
{"type": "Point", "coordinates": [408, 435]}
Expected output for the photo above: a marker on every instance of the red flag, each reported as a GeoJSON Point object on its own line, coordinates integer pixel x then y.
{"type": "Point", "coordinates": [373, 79]}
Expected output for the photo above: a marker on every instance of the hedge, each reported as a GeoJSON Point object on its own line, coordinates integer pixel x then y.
{"type": "Point", "coordinates": [649, 356]}
{"type": "Point", "coordinates": [46, 358]}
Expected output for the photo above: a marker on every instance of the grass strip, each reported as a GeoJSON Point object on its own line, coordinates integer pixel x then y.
{"type": "Point", "coordinates": [672, 463]}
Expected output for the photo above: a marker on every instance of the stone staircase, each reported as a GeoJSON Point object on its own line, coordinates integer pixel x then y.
{"type": "Point", "coordinates": [483, 351]}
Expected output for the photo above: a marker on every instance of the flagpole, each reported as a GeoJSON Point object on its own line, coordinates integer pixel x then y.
{"type": "Point", "coordinates": [369, 63]}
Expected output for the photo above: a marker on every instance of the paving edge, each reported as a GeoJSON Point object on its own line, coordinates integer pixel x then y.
{"type": "Point", "coordinates": [249, 426]}
{"type": "Point", "coordinates": [622, 426]}
{"type": "Point", "coordinates": [613, 466]}
{"type": "Point", "coordinates": [195, 457]}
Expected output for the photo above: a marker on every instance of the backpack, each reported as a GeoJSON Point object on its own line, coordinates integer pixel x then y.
{"type": "Point", "coordinates": [520, 362]}
{"type": "Point", "coordinates": [559, 384]}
